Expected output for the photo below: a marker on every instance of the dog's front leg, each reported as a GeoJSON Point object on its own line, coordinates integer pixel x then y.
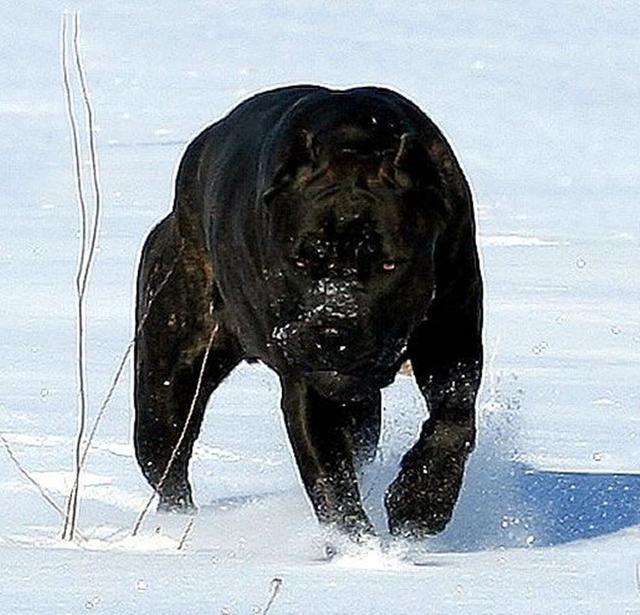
{"type": "Point", "coordinates": [323, 449]}
{"type": "Point", "coordinates": [446, 355]}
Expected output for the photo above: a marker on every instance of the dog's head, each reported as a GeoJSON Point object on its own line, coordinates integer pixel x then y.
{"type": "Point", "coordinates": [354, 216]}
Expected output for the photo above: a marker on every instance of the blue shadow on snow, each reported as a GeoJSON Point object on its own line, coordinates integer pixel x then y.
{"type": "Point", "coordinates": [512, 504]}
{"type": "Point", "coordinates": [575, 505]}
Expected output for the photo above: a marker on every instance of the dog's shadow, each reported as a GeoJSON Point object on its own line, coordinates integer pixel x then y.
{"type": "Point", "coordinates": [540, 508]}
{"type": "Point", "coordinates": [582, 505]}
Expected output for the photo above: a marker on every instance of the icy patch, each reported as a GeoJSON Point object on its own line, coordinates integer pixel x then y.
{"type": "Point", "coordinates": [624, 237]}
{"type": "Point", "coordinates": [517, 240]}
{"type": "Point", "coordinates": [206, 452]}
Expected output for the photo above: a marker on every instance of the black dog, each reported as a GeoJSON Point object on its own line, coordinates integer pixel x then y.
{"type": "Point", "coordinates": [330, 235]}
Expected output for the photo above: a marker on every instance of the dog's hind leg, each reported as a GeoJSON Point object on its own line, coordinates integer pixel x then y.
{"type": "Point", "coordinates": [180, 322]}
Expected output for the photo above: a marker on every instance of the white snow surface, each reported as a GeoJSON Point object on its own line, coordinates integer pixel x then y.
{"type": "Point", "coordinates": [540, 100]}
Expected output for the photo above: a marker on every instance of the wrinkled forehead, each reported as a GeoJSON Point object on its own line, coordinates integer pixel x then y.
{"type": "Point", "coordinates": [347, 211]}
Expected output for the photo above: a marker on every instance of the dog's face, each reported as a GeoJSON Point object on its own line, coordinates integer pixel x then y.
{"type": "Point", "coordinates": [353, 257]}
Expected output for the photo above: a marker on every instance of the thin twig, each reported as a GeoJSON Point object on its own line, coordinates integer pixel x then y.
{"type": "Point", "coordinates": [30, 478]}
{"type": "Point", "coordinates": [85, 262]}
{"type": "Point", "coordinates": [73, 124]}
{"type": "Point", "coordinates": [92, 149]}
{"type": "Point", "coordinates": [276, 584]}
{"type": "Point", "coordinates": [87, 255]}
{"type": "Point", "coordinates": [83, 246]}
{"type": "Point", "coordinates": [176, 448]}
{"type": "Point", "coordinates": [121, 366]}
{"type": "Point", "coordinates": [187, 531]}
{"type": "Point", "coordinates": [41, 490]}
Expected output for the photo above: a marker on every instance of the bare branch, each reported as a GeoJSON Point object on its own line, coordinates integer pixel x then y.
{"type": "Point", "coordinates": [73, 124]}
{"type": "Point", "coordinates": [92, 150]}
{"type": "Point", "coordinates": [30, 478]}
{"type": "Point", "coordinates": [83, 244]}
{"type": "Point", "coordinates": [187, 531]}
{"type": "Point", "coordinates": [41, 490]}
{"type": "Point", "coordinates": [87, 254]}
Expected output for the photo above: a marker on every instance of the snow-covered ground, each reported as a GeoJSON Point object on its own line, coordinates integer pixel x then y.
{"type": "Point", "coordinates": [541, 102]}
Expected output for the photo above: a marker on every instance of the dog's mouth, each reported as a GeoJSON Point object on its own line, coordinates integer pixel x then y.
{"type": "Point", "coordinates": [343, 367]}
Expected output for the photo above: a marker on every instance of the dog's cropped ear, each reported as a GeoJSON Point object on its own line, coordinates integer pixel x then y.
{"type": "Point", "coordinates": [410, 166]}
{"type": "Point", "coordinates": [297, 163]}
{"type": "Point", "coordinates": [453, 184]}
{"type": "Point", "coordinates": [308, 146]}
{"type": "Point", "coordinates": [406, 162]}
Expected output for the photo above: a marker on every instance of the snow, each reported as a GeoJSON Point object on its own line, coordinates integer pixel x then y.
{"type": "Point", "coordinates": [516, 240]}
{"type": "Point", "coordinates": [540, 101]}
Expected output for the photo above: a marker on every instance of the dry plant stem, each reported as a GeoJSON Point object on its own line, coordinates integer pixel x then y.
{"type": "Point", "coordinates": [73, 124]}
{"type": "Point", "coordinates": [105, 402]}
{"type": "Point", "coordinates": [85, 260]}
{"type": "Point", "coordinates": [276, 584]}
{"type": "Point", "coordinates": [92, 151]}
{"type": "Point", "coordinates": [83, 245]}
{"type": "Point", "coordinates": [30, 478]}
{"type": "Point", "coordinates": [176, 448]}
{"type": "Point", "coordinates": [41, 490]}
{"type": "Point", "coordinates": [187, 531]}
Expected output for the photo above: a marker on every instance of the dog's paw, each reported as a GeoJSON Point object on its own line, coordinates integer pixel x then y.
{"type": "Point", "coordinates": [420, 501]}
{"type": "Point", "coordinates": [180, 502]}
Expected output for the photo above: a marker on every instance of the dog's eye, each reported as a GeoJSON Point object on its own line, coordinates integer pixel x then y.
{"type": "Point", "coordinates": [389, 265]}
{"type": "Point", "coordinates": [300, 263]}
